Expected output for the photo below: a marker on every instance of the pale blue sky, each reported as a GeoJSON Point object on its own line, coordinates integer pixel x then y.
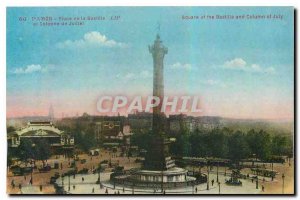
{"type": "Point", "coordinates": [237, 66]}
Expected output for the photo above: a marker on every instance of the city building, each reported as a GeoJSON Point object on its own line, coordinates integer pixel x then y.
{"type": "Point", "coordinates": [59, 141]}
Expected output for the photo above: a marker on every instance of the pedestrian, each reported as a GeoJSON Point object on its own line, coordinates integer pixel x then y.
{"type": "Point", "coordinates": [252, 180]}
{"type": "Point", "coordinates": [196, 189]}
{"type": "Point", "coordinates": [20, 186]}
{"type": "Point", "coordinates": [262, 188]}
{"type": "Point", "coordinates": [212, 182]}
{"type": "Point", "coordinates": [13, 183]}
{"type": "Point", "coordinates": [30, 182]}
{"type": "Point", "coordinates": [41, 187]}
{"type": "Point", "coordinates": [82, 179]}
{"type": "Point", "coordinates": [93, 190]}
{"type": "Point", "coordinates": [106, 191]}
{"type": "Point", "coordinates": [73, 187]}
{"type": "Point", "coordinates": [118, 192]}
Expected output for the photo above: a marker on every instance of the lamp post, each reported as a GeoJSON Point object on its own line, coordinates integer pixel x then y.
{"type": "Point", "coordinates": [272, 171]}
{"type": "Point", "coordinates": [283, 176]}
{"type": "Point", "coordinates": [218, 171]}
{"type": "Point", "coordinates": [257, 182]}
{"type": "Point", "coordinates": [200, 169]}
{"type": "Point", "coordinates": [133, 188]}
{"type": "Point", "coordinates": [99, 177]}
{"type": "Point", "coordinates": [207, 177]}
{"type": "Point", "coordinates": [162, 181]}
{"type": "Point", "coordinates": [219, 187]}
{"type": "Point", "coordinates": [123, 186]}
{"type": "Point", "coordinates": [62, 180]}
{"type": "Point", "coordinates": [74, 168]}
{"type": "Point", "coordinates": [31, 176]}
{"type": "Point", "coordinates": [69, 187]}
{"type": "Point", "coordinates": [193, 187]}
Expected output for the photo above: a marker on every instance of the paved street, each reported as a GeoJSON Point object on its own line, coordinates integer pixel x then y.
{"type": "Point", "coordinates": [86, 186]}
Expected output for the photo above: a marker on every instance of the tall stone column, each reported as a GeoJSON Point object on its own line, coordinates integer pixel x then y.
{"type": "Point", "coordinates": [157, 157]}
{"type": "Point", "coordinates": [158, 51]}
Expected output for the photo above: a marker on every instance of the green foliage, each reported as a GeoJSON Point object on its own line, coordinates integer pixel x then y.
{"type": "Point", "coordinates": [259, 143]}
{"type": "Point", "coordinates": [84, 136]}
{"type": "Point", "coordinates": [224, 143]}
{"type": "Point", "coordinates": [237, 147]}
{"type": "Point", "coordinates": [279, 145]}
{"type": "Point", "coordinates": [142, 140]}
{"type": "Point", "coordinates": [42, 150]}
{"type": "Point", "coordinates": [26, 150]}
{"type": "Point", "coordinates": [182, 145]}
{"type": "Point", "coordinates": [10, 129]}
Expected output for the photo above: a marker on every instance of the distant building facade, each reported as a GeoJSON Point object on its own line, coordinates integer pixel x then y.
{"type": "Point", "coordinates": [59, 141]}
{"type": "Point", "coordinates": [140, 122]}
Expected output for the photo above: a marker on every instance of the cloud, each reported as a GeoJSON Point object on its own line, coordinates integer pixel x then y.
{"type": "Point", "coordinates": [237, 63]}
{"type": "Point", "coordinates": [241, 64]}
{"type": "Point", "coordinates": [30, 69]}
{"type": "Point", "coordinates": [91, 39]}
{"type": "Point", "coordinates": [130, 76]}
{"type": "Point", "coordinates": [146, 74]}
{"type": "Point", "coordinates": [212, 82]}
{"type": "Point", "coordinates": [182, 66]}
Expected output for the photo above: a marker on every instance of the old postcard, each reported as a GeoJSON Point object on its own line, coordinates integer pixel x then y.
{"type": "Point", "coordinates": [150, 100]}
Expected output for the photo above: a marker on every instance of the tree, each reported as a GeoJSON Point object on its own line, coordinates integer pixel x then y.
{"type": "Point", "coordinates": [142, 140]}
{"type": "Point", "coordinates": [9, 158]}
{"type": "Point", "coordinates": [10, 129]}
{"type": "Point", "coordinates": [182, 145]}
{"type": "Point", "coordinates": [218, 143]}
{"type": "Point", "coordinates": [237, 147]}
{"type": "Point", "coordinates": [42, 148]}
{"type": "Point", "coordinates": [279, 144]}
{"type": "Point", "coordinates": [259, 143]}
{"type": "Point", "coordinates": [26, 150]}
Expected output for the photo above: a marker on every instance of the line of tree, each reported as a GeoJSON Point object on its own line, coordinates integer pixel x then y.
{"type": "Point", "coordinates": [235, 145]}
{"type": "Point", "coordinates": [40, 150]}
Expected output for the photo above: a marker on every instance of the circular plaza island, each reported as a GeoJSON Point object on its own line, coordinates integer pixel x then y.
{"type": "Point", "coordinates": [170, 178]}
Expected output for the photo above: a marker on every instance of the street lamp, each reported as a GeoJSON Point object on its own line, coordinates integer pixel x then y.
{"type": "Point", "coordinates": [123, 186]}
{"type": "Point", "coordinates": [99, 177]}
{"type": "Point", "coordinates": [133, 188]}
{"type": "Point", "coordinates": [283, 183]}
{"type": "Point", "coordinates": [31, 178]}
{"type": "Point", "coordinates": [219, 187]}
{"type": "Point", "coordinates": [256, 182]}
{"type": "Point", "coordinates": [207, 178]}
{"type": "Point", "coordinates": [62, 180]}
{"type": "Point", "coordinates": [200, 169]}
{"type": "Point", "coordinates": [193, 187]}
{"type": "Point", "coordinates": [217, 171]}
{"type": "Point", "coordinates": [272, 171]}
{"type": "Point", "coordinates": [69, 187]}
{"type": "Point", "coordinates": [162, 181]}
